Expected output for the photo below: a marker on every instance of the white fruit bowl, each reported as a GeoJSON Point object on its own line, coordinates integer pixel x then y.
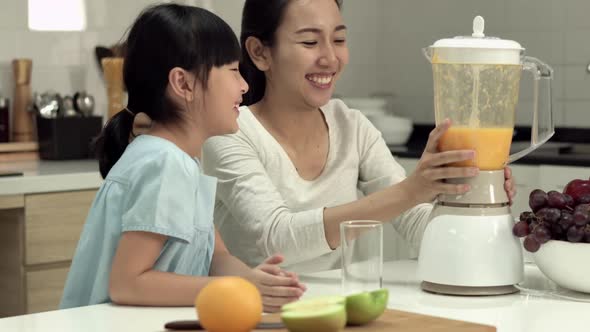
{"type": "Point", "coordinates": [566, 264]}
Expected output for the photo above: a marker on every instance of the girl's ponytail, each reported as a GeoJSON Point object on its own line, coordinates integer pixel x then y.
{"type": "Point", "coordinates": [113, 140]}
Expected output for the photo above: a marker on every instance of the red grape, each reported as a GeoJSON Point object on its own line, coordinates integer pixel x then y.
{"type": "Point", "coordinates": [582, 214]}
{"type": "Point", "coordinates": [526, 216]}
{"type": "Point", "coordinates": [569, 201]}
{"type": "Point", "coordinates": [566, 221]}
{"type": "Point", "coordinates": [537, 199]}
{"type": "Point", "coordinates": [584, 199]}
{"type": "Point", "coordinates": [521, 229]}
{"type": "Point", "coordinates": [587, 234]}
{"type": "Point", "coordinates": [531, 244]}
{"type": "Point", "coordinates": [542, 234]}
{"type": "Point", "coordinates": [575, 234]}
{"type": "Point", "coordinates": [555, 199]}
{"type": "Point", "coordinates": [550, 215]}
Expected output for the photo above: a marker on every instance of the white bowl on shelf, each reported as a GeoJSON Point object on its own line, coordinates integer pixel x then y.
{"type": "Point", "coordinates": [369, 106]}
{"type": "Point", "coordinates": [394, 129]}
{"type": "Point", "coordinates": [566, 264]}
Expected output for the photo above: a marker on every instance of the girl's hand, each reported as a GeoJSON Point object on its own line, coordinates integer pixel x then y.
{"type": "Point", "coordinates": [276, 286]}
{"type": "Point", "coordinates": [427, 180]}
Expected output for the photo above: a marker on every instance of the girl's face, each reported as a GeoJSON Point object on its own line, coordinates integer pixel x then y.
{"type": "Point", "coordinates": [310, 52]}
{"type": "Point", "coordinates": [222, 99]}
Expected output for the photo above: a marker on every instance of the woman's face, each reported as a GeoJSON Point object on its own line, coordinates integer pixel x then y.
{"type": "Point", "coordinates": [309, 53]}
{"type": "Point", "coordinates": [222, 99]}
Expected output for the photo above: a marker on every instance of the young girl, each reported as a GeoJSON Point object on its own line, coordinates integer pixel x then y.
{"type": "Point", "coordinates": [293, 172]}
{"type": "Point", "coordinates": [149, 238]}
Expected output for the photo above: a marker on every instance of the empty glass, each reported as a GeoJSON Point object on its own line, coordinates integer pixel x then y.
{"type": "Point", "coordinates": [361, 243]}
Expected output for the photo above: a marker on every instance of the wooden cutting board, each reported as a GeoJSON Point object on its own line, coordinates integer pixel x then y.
{"type": "Point", "coordinates": [394, 320]}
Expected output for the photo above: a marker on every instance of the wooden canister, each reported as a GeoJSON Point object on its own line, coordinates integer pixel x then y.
{"type": "Point", "coordinates": [22, 128]}
{"type": "Point", "coordinates": [113, 75]}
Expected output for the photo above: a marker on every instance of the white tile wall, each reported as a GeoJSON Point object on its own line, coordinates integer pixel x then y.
{"type": "Point", "coordinates": [385, 39]}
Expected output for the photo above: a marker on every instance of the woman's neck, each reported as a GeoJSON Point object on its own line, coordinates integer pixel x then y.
{"type": "Point", "coordinates": [288, 119]}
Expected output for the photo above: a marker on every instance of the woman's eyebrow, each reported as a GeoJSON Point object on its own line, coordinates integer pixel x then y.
{"type": "Point", "coordinates": [317, 30]}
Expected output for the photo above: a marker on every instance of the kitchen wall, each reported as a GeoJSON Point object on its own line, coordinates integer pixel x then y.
{"type": "Point", "coordinates": [385, 39]}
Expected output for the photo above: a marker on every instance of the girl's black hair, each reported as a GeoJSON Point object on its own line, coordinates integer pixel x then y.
{"type": "Point", "coordinates": [260, 19]}
{"type": "Point", "coordinates": [164, 37]}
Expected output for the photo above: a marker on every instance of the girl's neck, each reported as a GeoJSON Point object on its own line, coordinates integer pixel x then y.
{"type": "Point", "coordinates": [188, 139]}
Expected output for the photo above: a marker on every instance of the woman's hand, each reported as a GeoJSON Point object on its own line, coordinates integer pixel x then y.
{"type": "Point", "coordinates": [276, 286]}
{"type": "Point", "coordinates": [427, 180]}
{"type": "Point", "coordinates": [509, 185]}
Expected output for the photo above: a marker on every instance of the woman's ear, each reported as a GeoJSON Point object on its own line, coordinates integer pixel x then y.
{"type": "Point", "coordinates": [182, 84]}
{"type": "Point", "coordinates": [259, 53]}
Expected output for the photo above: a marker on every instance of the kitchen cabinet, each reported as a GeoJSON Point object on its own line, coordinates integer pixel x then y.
{"type": "Point", "coordinates": [38, 236]}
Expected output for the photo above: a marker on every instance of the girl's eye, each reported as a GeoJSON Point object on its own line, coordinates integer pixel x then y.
{"type": "Point", "coordinates": [309, 43]}
{"type": "Point", "coordinates": [235, 69]}
{"type": "Point", "coordinates": [340, 41]}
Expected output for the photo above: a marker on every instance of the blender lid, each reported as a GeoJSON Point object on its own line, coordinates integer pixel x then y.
{"type": "Point", "coordinates": [478, 40]}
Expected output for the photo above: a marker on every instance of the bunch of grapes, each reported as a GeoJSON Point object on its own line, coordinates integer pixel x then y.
{"type": "Point", "coordinates": [554, 216]}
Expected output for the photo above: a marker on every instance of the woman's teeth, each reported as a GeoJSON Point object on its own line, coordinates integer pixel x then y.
{"type": "Point", "coordinates": [323, 79]}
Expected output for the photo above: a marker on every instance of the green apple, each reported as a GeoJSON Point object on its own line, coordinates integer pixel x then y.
{"type": "Point", "coordinates": [321, 314]}
{"type": "Point", "coordinates": [365, 307]}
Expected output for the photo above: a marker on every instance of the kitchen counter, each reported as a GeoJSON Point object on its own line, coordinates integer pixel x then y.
{"type": "Point", "coordinates": [526, 311]}
{"type": "Point", "coordinates": [49, 176]}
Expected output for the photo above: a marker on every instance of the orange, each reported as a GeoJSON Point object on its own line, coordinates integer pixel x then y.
{"type": "Point", "coordinates": [229, 304]}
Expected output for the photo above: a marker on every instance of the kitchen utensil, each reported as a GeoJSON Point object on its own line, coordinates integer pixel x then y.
{"type": "Point", "coordinates": [46, 104]}
{"type": "Point", "coordinates": [84, 103]}
{"type": "Point", "coordinates": [22, 118]}
{"type": "Point", "coordinates": [4, 120]}
{"type": "Point", "coordinates": [468, 247]}
{"type": "Point", "coordinates": [395, 320]}
{"type": "Point", "coordinates": [67, 106]}
{"type": "Point", "coordinates": [361, 242]}
{"type": "Point", "coordinates": [196, 325]}
{"type": "Point", "coordinates": [113, 75]}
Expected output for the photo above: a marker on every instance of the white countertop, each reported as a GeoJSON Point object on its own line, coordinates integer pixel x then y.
{"type": "Point", "coordinates": [508, 313]}
{"type": "Point", "coordinates": [49, 176]}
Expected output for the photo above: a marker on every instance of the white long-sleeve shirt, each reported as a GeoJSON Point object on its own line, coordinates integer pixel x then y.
{"type": "Point", "coordinates": [264, 207]}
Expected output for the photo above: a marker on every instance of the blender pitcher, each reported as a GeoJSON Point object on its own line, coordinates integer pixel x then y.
{"type": "Point", "coordinates": [476, 85]}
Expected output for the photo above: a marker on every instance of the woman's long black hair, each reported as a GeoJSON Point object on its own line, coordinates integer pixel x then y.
{"type": "Point", "coordinates": [260, 19]}
{"type": "Point", "coordinates": [161, 38]}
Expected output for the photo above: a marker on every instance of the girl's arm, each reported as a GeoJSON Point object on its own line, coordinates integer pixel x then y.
{"type": "Point", "coordinates": [134, 282]}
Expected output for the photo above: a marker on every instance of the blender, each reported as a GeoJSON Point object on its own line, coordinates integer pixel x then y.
{"type": "Point", "coordinates": [468, 247]}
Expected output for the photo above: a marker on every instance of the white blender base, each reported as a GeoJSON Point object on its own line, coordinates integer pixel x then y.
{"type": "Point", "coordinates": [470, 255]}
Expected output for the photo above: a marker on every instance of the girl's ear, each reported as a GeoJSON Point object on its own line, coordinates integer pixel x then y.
{"type": "Point", "coordinates": [182, 84]}
{"type": "Point", "coordinates": [259, 53]}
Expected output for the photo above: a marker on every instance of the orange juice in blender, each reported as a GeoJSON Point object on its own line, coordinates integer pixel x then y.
{"type": "Point", "coordinates": [491, 145]}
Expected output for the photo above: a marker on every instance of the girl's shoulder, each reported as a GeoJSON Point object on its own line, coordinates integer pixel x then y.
{"type": "Point", "coordinates": [156, 157]}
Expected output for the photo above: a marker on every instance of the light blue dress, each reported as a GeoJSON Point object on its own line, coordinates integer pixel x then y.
{"type": "Point", "coordinates": [154, 187]}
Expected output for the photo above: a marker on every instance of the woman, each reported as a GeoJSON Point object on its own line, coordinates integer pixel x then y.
{"type": "Point", "coordinates": [292, 173]}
